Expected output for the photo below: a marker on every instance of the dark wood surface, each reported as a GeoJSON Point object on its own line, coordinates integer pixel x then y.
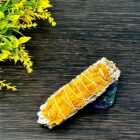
{"type": "Point", "coordinates": [86, 31]}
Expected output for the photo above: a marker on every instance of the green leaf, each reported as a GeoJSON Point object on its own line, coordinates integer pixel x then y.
{"type": "Point", "coordinates": [2, 15]}
{"type": "Point", "coordinates": [29, 4]}
{"type": "Point", "coordinates": [5, 46]}
{"type": "Point", "coordinates": [24, 39]}
{"type": "Point", "coordinates": [6, 41]}
{"type": "Point", "coordinates": [4, 54]}
{"type": "Point", "coordinates": [14, 41]}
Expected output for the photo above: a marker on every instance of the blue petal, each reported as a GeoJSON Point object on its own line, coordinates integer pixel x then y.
{"type": "Point", "coordinates": [106, 100]}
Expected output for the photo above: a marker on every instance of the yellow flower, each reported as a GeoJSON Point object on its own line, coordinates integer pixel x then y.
{"type": "Point", "coordinates": [53, 23]}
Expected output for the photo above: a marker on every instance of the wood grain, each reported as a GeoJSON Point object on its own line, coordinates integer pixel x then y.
{"type": "Point", "coordinates": [85, 32]}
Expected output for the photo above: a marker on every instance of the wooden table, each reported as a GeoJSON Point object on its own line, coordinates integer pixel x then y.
{"type": "Point", "coordinates": [86, 31]}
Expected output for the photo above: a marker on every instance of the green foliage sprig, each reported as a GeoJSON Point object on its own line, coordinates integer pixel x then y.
{"type": "Point", "coordinates": [16, 15]}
